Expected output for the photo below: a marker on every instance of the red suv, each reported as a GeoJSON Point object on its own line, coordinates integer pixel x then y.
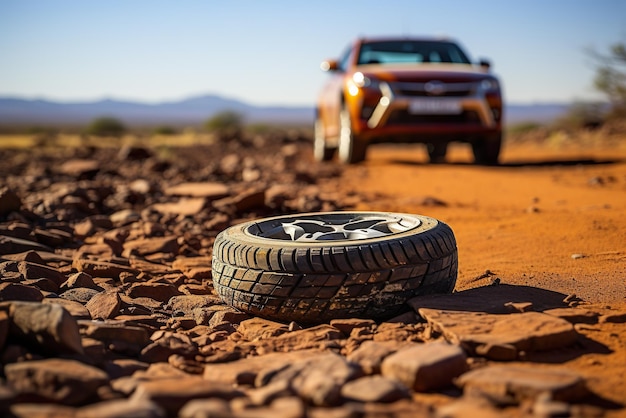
{"type": "Point", "coordinates": [423, 90]}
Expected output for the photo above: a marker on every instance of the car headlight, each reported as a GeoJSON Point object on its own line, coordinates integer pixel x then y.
{"type": "Point", "coordinates": [360, 81]}
{"type": "Point", "coordinates": [490, 84]}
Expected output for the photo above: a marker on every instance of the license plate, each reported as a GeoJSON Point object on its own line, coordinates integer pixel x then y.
{"type": "Point", "coordinates": [435, 107]}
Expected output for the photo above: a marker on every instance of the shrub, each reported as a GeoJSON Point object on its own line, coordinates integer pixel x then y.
{"type": "Point", "coordinates": [106, 126]}
{"type": "Point", "coordinates": [226, 124]}
{"type": "Point", "coordinates": [165, 130]}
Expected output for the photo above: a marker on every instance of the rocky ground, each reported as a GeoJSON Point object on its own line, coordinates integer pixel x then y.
{"type": "Point", "coordinates": [107, 307]}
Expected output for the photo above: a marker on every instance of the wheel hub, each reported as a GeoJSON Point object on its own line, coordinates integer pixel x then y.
{"type": "Point", "coordinates": [334, 227]}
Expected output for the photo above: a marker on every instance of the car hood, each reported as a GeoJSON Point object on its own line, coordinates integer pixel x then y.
{"type": "Point", "coordinates": [443, 72]}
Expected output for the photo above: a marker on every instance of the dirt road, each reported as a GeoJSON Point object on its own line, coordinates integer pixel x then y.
{"type": "Point", "coordinates": [547, 217]}
{"type": "Point", "coordinates": [550, 217]}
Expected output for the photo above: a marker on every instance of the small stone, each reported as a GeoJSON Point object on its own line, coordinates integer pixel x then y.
{"type": "Point", "coordinates": [426, 366]}
{"type": "Point", "coordinates": [516, 383]}
{"type": "Point", "coordinates": [371, 354]}
{"type": "Point", "coordinates": [259, 328]}
{"type": "Point", "coordinates": [102, 268]}
{"type": "Point", "coordinates": [74, 382]}
{"type": "Point", "coordinates": [48, 326]}
{"type": "Point", "coordinates": [19, 292]}
{"type": "Point", "coordinates": [184, 206]}
{"type": "Point", "coordinates": [375, 388]}
{"type": "Point", "coordinates": [80, 279]}
{"type": "Point", "coordinates": [577, 256]}
{"type": "Point", "coordinates": [318, 379]}
{"type": "Point", "coordinates": [172, 394]}
{"type": "Point", "coordinates": [79, 294]}
{"type": "Point", "coordinates": [9, 201]}
{"type": "Point", "coordinates": [205, 408]}
{"type": "Point", "coordinates": [347, 325]}
{"type": "Point", "coordinates": [528, 331]}
{"type": "Point", "coordinates": [104, 305]}
{"type": "Point", "coordinates": [161, 292]}
{"type": "Point", "coordinates": [207, 189]}
{"type": "Point", "coordinates": [76, 309]}
{"type": "Point", "coordinates": [122, 408]}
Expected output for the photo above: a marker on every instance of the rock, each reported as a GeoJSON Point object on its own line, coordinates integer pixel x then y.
{"type": "Point", "coordinates": [184, 206]}
{"type": "Point", "coordinates": [146, 246]}
{"type": "Point", "coordinates": [371, 354]}
{"type": "Point", "coordinates": [79, 168]}
{"type": "Point", "coordinates": [161, 292]}
{"type": "Point", "coordinates": [347, 325]}
{"type": "Point", "coordinates": [117, 368]}
{"type": "Point", "coordinates": [423, 367]}
{"type": "Point", "coordinates": [245, 371]}
{"type": "Point", "coordinates": [490, 299]}
{"type": "Point", "coordinates": [102, 268]}
{"type": "Point", "coordinates": [230, 315]}
{"type": "Point", "coordinates": [172, 394]}
{"type": "Point", "coordinates": [31, 271]}
{"type": "Point", "coordinates": [19, 292]}
{"type": "Point", "coordinates": [507, 383]}
{"type": "Point", "coordinates": [4, 328]}
{"type": "Point", "coordinates": [166, 344]}
{"type": "Point", "coordinates": [244, 201]}
{"type": "Point", "coordinates": [12, 245]}
{"type": "Point", "coordinates": [468, 408]}
{"type": "Point", "coordinates": [306, 338]}
{"type": "Point", "coordinates": [41, 410]}
{"type": "Point", "coordinates": [80, 279]}
{"type": "Point", "coordinates": [318, 379]}
{"type": "Point", "coordinates": [574, 315]}
{"type": "Point", "coordinates": [65, 381]}
{"type": "Point", "coordinates": [375, 388]}
{"type": "Point", "coordinates": [9, 201]}
{"type": "Point", "coordinates": [133, 337]}
{"type": "Point", "coordinates": [259, 328]}
{"type": "Point", "coordinates": [76, 309]}
{"type": "Point", "coordinates": [205, 408]}
{"type": "Point", "coordinates": [197, 268]}
{"type": "Point", "coordinates": [104, 305]}
{"type": "Point", "coordinates": [528, 331]}
{"type": "Point", "coordinates": [79, 294]}
{"type": "Point", "coordinates": [208, 190]}
{"type": "Point", "coordinates": [122, 408]}
{"type": "Point", "coordinates": [48, 326]}
{"type": "Point", "coordinates": [187, 303]}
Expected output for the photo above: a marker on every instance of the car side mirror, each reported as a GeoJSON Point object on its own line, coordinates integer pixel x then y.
{"type": "Point", "coordinates": [329, 65]}
{"type": "Point", "coordinates": [485, 63]}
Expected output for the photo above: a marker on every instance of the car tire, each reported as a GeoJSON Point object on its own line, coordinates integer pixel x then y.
{"type": "Point", "coordinates": [487, 150]}
{"type": "Point", "coordinates": [321, 150]}
{"type": "Point", "coordinates": [351, 149]}
{"type": "Point", "coordinates": [314, 267]}
{"type": "Point", "coordinates": [437, 152]}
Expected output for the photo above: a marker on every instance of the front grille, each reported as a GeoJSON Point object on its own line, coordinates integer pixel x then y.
{"type": "Point", "coordinates": [416, 89]}
{"type": "Point", "coordinates": [402, 117]}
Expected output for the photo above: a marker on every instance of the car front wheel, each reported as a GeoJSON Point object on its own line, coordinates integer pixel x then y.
{"type": "Point", "coordinates": [321, 150]}
{"type": "Point", "coordinates": [352, 150]}
{"type": "Point", "coordinates": [487, 150]}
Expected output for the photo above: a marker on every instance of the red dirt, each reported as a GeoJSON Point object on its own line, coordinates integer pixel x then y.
{"type": "Point", "coordinates": [552, 216]}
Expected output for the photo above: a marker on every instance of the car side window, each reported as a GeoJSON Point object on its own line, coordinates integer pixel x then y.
{"type": "Point", "coordinates": [345, 59]}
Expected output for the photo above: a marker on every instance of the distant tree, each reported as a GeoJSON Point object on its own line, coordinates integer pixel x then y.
{"type": "Point", "coordinates": [227, 124]}
{"type": "Point", "coordinates": [610, 76]}
{"type": "Point", "coordinates": [106, 126]}
{"type": "Point", "coordinates": [165, 130]}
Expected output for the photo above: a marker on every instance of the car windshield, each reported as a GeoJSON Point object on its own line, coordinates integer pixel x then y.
{"type": "Point", "coordinates": [393, 52]}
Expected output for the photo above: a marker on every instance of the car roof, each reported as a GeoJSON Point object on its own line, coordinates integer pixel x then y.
{"type": "Point", "coordinates": [404, 38]}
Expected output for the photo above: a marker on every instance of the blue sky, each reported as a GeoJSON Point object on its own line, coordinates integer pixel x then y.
{"type": "Point", "coordinates": [268, 52]}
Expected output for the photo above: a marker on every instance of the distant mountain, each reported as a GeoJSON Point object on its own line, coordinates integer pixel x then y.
{"type": "Point", "coordinates": [192, 111]}
{"type": "Point", "coordinates": [195, 110]}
